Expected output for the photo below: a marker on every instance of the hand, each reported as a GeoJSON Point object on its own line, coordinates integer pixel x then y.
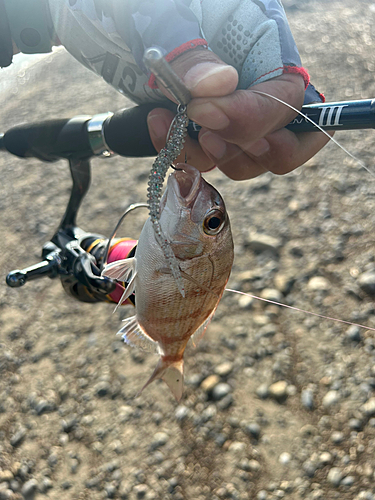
{"type": "Point", "coordinates": [242, 132]}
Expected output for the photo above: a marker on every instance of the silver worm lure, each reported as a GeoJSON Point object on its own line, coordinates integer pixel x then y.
{"type": "Point", "coordinates": [154, 60]}
{"type": "Point", "coordinates": [165, 158]}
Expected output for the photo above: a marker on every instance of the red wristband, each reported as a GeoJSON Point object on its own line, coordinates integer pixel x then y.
{"type": "Point", "coordinates": [198, 42]}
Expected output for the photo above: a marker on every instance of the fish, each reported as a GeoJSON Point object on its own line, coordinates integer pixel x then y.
{"type": "Point", "coordinates": [194, 219]}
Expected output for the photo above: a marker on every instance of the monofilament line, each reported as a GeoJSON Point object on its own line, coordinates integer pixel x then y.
{"type": "Point", "coordinates": [360, 162]}
{"type": "Point", "coordinates": [300, 310]}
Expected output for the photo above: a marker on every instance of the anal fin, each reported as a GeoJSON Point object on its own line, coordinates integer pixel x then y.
{"type": "Point", "coordinates": [135, 336]}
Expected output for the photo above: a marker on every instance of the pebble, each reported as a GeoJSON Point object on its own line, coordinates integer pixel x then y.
{"type": "Point", "coordinates": [245, 302]}
{"type": "Point", "coordinates": [18, 437]}
{"type": "Point", "coordinates": [159, 439]}
{"type": "Point", "coordinates": [285, 458]}
{"type": "Point", "coordinates": [262, 391]}
{"type": "Point", "coordinates": [369, 408]}
{"type": "Point", "coordinates": [325, 458]}
{"type": "Point", "coordinates": [224, 369]}
{"type": "Point", "coordinates": [262, 495]}
{"type": "Point", "coordinates": [355, 424]}
{"type": "Point", "coordinates": [102, 389]}
{"type": "Point", "coordinates": [348, 481]}
{"type": "Point", "coordinates": [259, 242]}
{"type": "Point", "coordinates": [272, 294]}
{"type": "Point", "coordinates": [278, 390]}
{"type": "Point", "coordinates": [353, 334]}
{"type": "Point", "coordinates": [253, 429]}
{"type": "Point", "coordinates": [5, 475]}
{"type": "Point", "coordinates": [318, 283]}
{"type": "Point", "coordinates": [337, 437]}
{"type": "Point", "coordinates": [220, 391]}
{"type": "Point", "coordinates": [366, 281]}
{"type": "Point", "coordinates": [307, 399]}
{"type": "Point", "coordinates": [29, 489]}
{"type": "Point", "coordinates": [332, 398]}
{"type": "Point", "coordinates": [335, 476]}
{"type": "Point", "coordinates": [210, 382]}
{"type": "Point", "coordinates": [254, 465]}
{"type": "Point", "coordinates": [181, 413]}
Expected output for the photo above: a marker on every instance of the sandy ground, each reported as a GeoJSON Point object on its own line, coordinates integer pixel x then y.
{"type": "Point", "coordinates": [70, 427]}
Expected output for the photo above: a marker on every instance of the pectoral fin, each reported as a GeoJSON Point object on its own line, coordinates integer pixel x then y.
{"type": "Point", "coordinates": [120, 269]}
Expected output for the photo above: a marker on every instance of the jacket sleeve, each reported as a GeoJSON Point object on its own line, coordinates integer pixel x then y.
{"type": "Point", "coordinates": [251, 35]}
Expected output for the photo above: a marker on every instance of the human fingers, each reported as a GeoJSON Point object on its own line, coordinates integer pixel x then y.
{"type": "Point", "coordinates": [204, 74]}
{"type": "Point", "coordinates": [245, 116]}
{"type": "Point", "coordinates": [285, 151]}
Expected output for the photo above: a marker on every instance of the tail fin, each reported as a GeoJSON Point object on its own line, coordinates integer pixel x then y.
{"type": "Point", "coordinates": [173, 375]}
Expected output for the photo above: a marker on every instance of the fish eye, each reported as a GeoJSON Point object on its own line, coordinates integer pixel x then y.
{"type": "Point", "coordinates": [213, 222]}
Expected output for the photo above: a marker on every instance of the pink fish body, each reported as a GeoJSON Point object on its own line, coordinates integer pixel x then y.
{"type": "Point", "coordinates": [194, 219]}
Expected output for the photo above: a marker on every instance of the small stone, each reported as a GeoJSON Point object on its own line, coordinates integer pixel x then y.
{"type": "Point", "coordinates": [353, 334]}
{"type": "Point", "coordinates": [262, 391]}
{"type": "Point", "coordinates": [307, 399]}
{"type": "Point", "coordinates": [253, 429]}
{"type": "Point", "coordinates": [102, 389]}
{"type": "Point", "coordinates": [325, 458]}
{"type": "Point", "coordinates": [160, 439]}
{"type": "Point", "coordinates": [271, 294]}
{"type": "Point", "coordinates": [181, 413]}
{"type": "Point", "coordinates": [224, 369]}
{"type": "Point", "coordinates": [29, 489]}
{"type": "Point", "coordinates": [259, 242]}
{"type": "Point", "coordinates": [44, 406]}
{"type": "Point", "coordinates": [220, 391]}
{"type": "Point", "coordinates": [369, 408]}
{"type": "Point", "coordinates": [366, 281]}
{"type": "Point", "coordinates": [278, 390]}
{"type": "Point", "coordinates": [337, 437]}
{"type": "Point", "coordinates": [348, 481]}
{"type": "Point", "coordinates": [355, 424]}
{"type": "Point", "coordinates": [140, 491]}
{"type": "Point", "coordinates": [18, 437]}
{"type": "Point", "coordinates": [5, 475]}
{"type": "Point", "coordinates": [309, 468]}
{"type": "Point", "coordinates": [225, 403]}
{"type": "Point", "coordinates": [254, 465]}
{"type": "Point", "coordinates": [318, 283]}
{"type": "Point", "coordinates": [245, 302]}
{"type": "Point", "coordinates": [334, 476]}
{"type": "Point", "coordinates": [210, 382]}
{"type": "Point", "coordinates": [285, 458]}
{"type": "Point", "coordinates": [332, 398]}
{"type": "Point", "coordinates": [262, 495]}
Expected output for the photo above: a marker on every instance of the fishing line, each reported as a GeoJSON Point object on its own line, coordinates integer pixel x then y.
{"type": "Point", "coordinates": [360, 162]}
{"type": "Point", "coordinates": [300, 310]}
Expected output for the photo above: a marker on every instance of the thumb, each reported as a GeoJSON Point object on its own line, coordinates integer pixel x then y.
{"type": "Point", "coordinates": [204, 74]}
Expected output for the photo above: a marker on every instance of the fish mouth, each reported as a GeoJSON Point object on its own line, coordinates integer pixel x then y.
{"type": "Point", "coordinates": [185, 183]}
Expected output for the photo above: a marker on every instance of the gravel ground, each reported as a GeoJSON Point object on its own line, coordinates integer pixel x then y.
{"type": "Point", "coordinates": [278, 404]}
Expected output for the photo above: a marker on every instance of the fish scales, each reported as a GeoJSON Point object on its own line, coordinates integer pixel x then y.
{"type": "Point", "coordinates": [194, 219]}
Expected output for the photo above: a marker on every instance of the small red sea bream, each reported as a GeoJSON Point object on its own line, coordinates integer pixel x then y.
{"type": "Point", "coordinates": [194, 219]}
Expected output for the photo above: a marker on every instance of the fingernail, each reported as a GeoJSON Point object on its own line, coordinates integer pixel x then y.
{"type": "Point", "coordinates": [208, 115]}
{"type": "Point", "coordinates": [158, 126]}
{"type": "Point", "coordinates": [259, 147]}
{"type": "Point", "coordinates": [213, 145]}
{"type": "Point", "coordinates": [208, 73]}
